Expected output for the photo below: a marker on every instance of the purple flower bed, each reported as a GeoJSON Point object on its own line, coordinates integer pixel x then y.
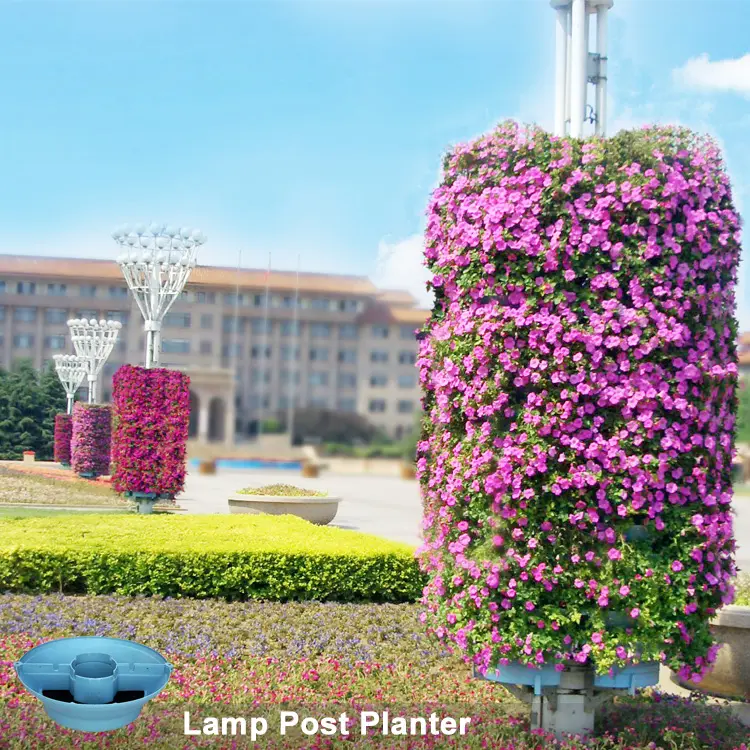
{"type": "Point", "coordinates": [579, 371]}
{"type": "Point", "coordinates": [91, 439]}
{"type": "Point", "coordinates": [63, 437]}
{"type": "Point", "coordinates": [152, 416]}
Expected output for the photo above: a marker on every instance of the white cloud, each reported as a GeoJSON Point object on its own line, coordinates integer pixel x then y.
{"type": "Point", "coordinates": [732, 75]}
{"type": "Point", "coordinates": [400, 266]}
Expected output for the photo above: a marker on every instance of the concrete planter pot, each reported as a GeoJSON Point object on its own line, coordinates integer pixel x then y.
{"type": "Point", "coordinates": [310, 471]}
{"type": "Point", "coordinates": [730, 676]}
{"type": "Point", "coordinates": [207, 467]}
{"type": "Point", "coordinates": [318, 510]}
{"type": "Point", "coordinates": [408, 471]}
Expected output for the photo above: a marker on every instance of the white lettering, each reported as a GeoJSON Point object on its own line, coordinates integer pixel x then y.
{"type": "Point", "coordinates": [369, 719]}
{"type": "Point", "coordinates": [258, 727]}
{"type": "Point", "coordinates": [288, 719]}
{"type": "Point", "coordinates": [229, 725]}
{"type": "Point", "coordinates": [187, 729]}
{"type": "Point", "coordinates": [462, 724]}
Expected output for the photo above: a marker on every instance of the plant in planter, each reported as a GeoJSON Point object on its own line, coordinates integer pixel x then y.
{"type": "Point", "coordinates": [63, 437]}
{"type": "Point", "coordinates": [91, 439]}
{"type": "Point", "coordinates": [152, 414]}
{"type": "Point", "coordinates": [579, 370]}
{"type": "Point", "coordinates": [285, 499]}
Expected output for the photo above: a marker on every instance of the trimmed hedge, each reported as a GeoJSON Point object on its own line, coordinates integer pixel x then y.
{"type": "Point", "coordinates": [580, 372]}
{"type": "Point", "coordinates": [91, 440]}
{"type": "Point", "coordinates": [63, 437]}
{"type": "Point", "coordinates": [244, 557]}
{"type": "Point", "coordinates": [151, 421]}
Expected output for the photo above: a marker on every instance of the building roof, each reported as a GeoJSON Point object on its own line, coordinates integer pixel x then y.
{"type": "Point", "coordinates": [397, 297]}
{"type": "Point", "coordinates": [386, 314]}
{"type": "Point", "coordinates": [92, 270]}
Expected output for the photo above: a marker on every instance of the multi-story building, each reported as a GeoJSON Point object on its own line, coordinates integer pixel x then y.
{"type": "Point", "coordinates": [348, 346]}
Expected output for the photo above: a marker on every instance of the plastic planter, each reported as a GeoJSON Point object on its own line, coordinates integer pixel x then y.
{"type": "Point", "coordinates": [93, 684]}
{"type": "Point", "coordinates": [144, 500]}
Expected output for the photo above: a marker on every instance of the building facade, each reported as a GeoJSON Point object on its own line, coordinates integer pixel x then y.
{"type": "Point", "coordinates": [345, 346]}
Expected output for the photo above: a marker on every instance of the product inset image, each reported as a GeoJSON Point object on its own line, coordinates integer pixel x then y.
{"type": "Point", "coordinates": [92, 683]}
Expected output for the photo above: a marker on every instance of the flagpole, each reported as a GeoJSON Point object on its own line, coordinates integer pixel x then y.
{"type": "Point", "coordinates": [262, 389]}
{"type": "Point", "coordinates": [294, 368]}
{"type": "Point", "coordinates": [235, 336]}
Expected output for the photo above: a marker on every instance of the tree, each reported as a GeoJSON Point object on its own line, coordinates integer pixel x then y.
{"type": "Point", "coordinates": [332, 427]}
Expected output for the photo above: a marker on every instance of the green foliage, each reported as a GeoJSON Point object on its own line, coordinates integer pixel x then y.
{"type": "Point", "coordinates": [29, 401]}
{"type": "Point", "coordinates": [231, 557]}
{"type": "Point", "coordinates": [281, 490]}
{"type": "Point", "coordinates": [272, 427]}
{"type": "Point", "coordinates": [332, 427]}
{"type": "Point", "coordinates": [742, 597]}
{"type": "Point", "coordinates": [742, 434]}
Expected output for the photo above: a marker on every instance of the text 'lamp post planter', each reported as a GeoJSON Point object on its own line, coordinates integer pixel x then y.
{"type": "Point", "coordinates": [156, 264]}
{"type": "Point", "coordinates": [93, 341]}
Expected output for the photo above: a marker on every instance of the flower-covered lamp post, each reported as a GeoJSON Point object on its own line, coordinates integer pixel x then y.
{"type": "Point", "coordinates": [93, 341]}
{"type": "Point", "coordinates": [152, 405]}
{"type": "Point", "coordinates": [156, 264]}
{"type": "Point", "coordinates": [579, 374]}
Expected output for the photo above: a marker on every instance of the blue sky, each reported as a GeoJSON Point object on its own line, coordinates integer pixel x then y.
{"type": "Point", "coordinates": [311, 127]}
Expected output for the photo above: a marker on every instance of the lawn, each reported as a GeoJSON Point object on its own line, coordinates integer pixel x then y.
{"type": "Point", "coordinates": [18, 488]}
{"type": "Point", "coordinates": [254, 658]}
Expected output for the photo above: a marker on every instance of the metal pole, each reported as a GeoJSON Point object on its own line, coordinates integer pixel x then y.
{"type": "Point", "coordinates": [262, 389]}
{"type": "Point", "coordinates": [293, 368]}
{"type": "Point", "coordinates": [601, 87]}
{"type": "Point", "coordinates": [579, 56]}
{"type": "Point", "coordinates": [561, 72]}
{"type": "Point", "coordinates": [70, 403]}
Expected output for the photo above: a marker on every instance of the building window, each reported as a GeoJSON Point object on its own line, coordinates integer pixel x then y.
{"type": "Point", "coordinates": [348, 331]}
{"type": "Point", "coordinates": [206, 347]}
{"type": "Point", "coordinates": [26, 287]}
{"type": "Point", "coordinates": [24, 314]}
{"type": "Point", "coordinates": [319, 355]}
{"type": "Point", "coordinates": [319, 402]}
{"type": "Point", "coordinates": [408, 332]}
{"type": "Point", "coordinates": [320, 330]}
{"type": "Point", "coordinates": [231, 350]}
{"type": "Point", "coordinates": [259, 300]}
{"type": "Point", "coordinates": [175, 346]}
{"type": "Point", "coordinates": [320, 303]}
{"type": "Point", "coordinates": [118, 292]}
{"type": "Point", "coordinates": [88, 314]}
{"type": "Point", "coordinates": [260, 352]}
{"type": "Point", "coordinates": [122, 345]}
{"type": "Point", "coordinates": [56, 290]}
{"type": "Point", "coordinates": [207, 321]}
{"type": "Point", "coordinates": [55, 342]}
{"type": "Point", "coordinates": [407, 381]}
{"type": "Point", "coordinates": [380, 332]}
{"type": "Point", "coordinates": [407, 358]}
{"type": "Point", "coordinates": [349, 356]}
{"type": "Point", "coordinates": [261, 326]}
{"type": "Point", "coordinates": [231, 324]}
{"type": "Point", "coordinates": [55, 315]}
{"type": "Point", "coordinates": [119, 315]}
{"type": "Point", "coordinates": [88, 290]}
{"type": "Point", "coordinates": [2, 313]}
{"type": "Point", "coordinates": [378, 381]}
{"type": "Point", "coordinates": [376, 406]}
{"type": "Point", "coordinates": [177, 320]}
{"type": "Point", "coordinates": [204, 298]}
{"type": "Point", "coordinates": [316, 377]}
{"type": "Point", "coordinates": [290, 376]}
{"type": "Point", "coordinates": [289, 328]}
{"type": "Point", "coordinates": [289, 353]}
{"type": "Point", "coordinates": [348, 305]}
{"type": "Point", "coordinates": [2, 287]}
{"type": "Point", "coordinates": [405, 407]}
{"type": "Point", "coordinates": [287, 302]}
{"type": "Point", "coordinates": [379, 356]}
{"type": "Point", "coordinates": [23, 341]}
{"type": "Point", "coordinates": [260, 376]}
{"type": "Point", "coordinates": [255, 401]}
{"type": "Point", "coordinates": [231, 298]}
{"type": "Point", "coordinates": [347, 380]}
{"type": "Point", "coordinates": [347, 404]}
{"type": "Point", "coordinates": [110, 369]}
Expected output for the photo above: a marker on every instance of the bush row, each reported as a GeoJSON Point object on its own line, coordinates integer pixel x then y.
{"type": "Point", "coordinates": [244, 557]}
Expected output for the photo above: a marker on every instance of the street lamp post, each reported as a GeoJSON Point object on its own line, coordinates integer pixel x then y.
{"type": "Point", "coordinates": [71, 369]}
{"type": "Point", "coordinates": [156, 264]}
{"type": "Point", "coordinates": [93, 341]}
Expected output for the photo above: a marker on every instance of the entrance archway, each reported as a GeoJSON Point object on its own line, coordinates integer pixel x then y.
{"type": "Point", "coordinates": [216, 419]}
{"type": "Point", "coordinates": [194, 412]}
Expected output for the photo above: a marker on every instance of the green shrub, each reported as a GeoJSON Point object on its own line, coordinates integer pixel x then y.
{"type": "Point", "coordinates": [742, 597]}
{"type": "Point", "coordinates": [231, 557]}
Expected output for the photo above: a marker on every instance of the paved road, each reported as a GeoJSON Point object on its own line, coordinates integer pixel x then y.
{"type": "Point", "coordinates": [385, 506]}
